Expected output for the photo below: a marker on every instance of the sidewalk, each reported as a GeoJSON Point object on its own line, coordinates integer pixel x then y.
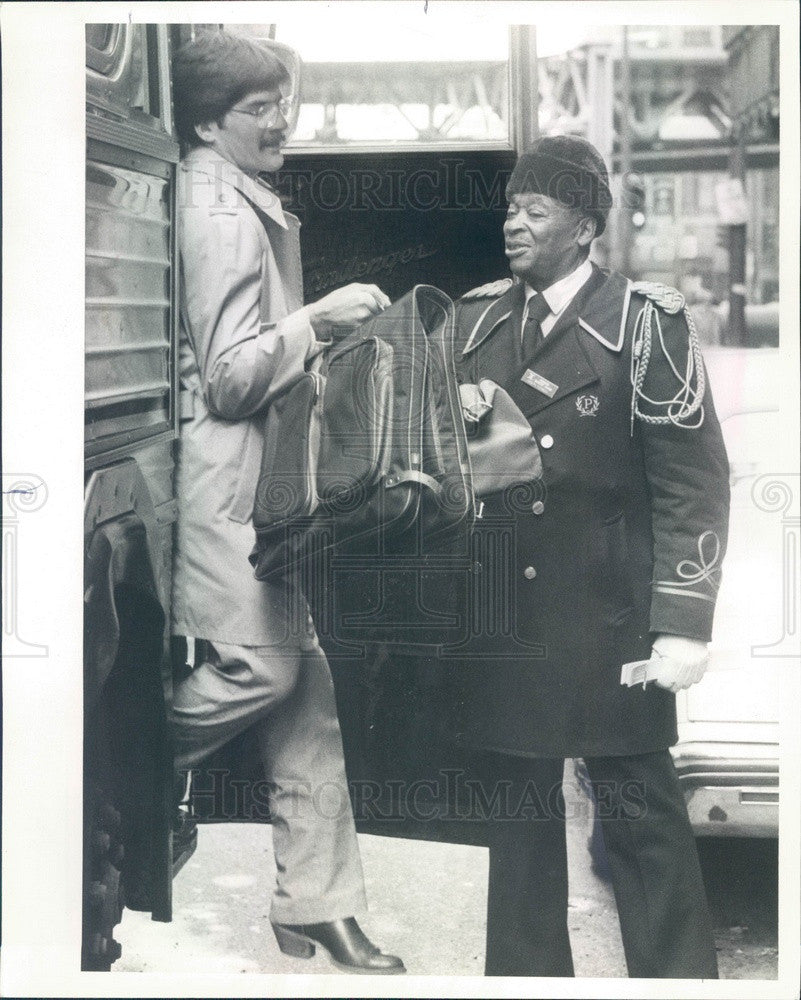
{"type": "Point", "coordinates": [427, 904]}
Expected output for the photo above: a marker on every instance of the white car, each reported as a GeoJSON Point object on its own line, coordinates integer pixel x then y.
{"type": "Point", "coordinates": [727, 756]}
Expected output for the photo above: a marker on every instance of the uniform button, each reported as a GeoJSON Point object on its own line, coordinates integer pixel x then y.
{"type": "Point", "coordinates": [537, 507]}
{"type": "Point", "coordinates": [546, 441]}
{"type": "Point", "coordinates": [529, 572]}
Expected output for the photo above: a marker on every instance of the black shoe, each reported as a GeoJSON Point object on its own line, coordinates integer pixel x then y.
{"type": "Point", "coordinates": [345, 942]}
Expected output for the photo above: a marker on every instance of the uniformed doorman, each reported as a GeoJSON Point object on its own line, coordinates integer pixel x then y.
{"type": "Point", "coordinates": [616, 558]}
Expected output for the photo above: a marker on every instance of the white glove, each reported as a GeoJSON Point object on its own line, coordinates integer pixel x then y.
{"type": "Point", "coordinates": [680, 662]}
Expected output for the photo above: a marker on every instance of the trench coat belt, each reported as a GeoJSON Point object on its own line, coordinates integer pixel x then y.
{"type": "Point", "coordinates": [186, 404]}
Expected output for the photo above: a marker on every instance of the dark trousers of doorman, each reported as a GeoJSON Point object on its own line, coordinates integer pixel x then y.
{"type": "Point", "coordinates": [664, 919]}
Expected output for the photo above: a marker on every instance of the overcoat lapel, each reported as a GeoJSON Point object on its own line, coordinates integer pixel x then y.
{"type": "Point", "coordinates": [503, 315]}
{"type": "Point", "coordinates": [604, 310]}
{"type": "Point", "coordinates": [562, 364]}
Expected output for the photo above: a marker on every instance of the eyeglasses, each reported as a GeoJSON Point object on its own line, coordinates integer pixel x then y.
{"type": "Point", "coordinates": [267, 115]}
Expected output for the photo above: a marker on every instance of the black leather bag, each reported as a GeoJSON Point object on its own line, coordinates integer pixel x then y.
{"type": "Point", "coordinates": [365, 474]}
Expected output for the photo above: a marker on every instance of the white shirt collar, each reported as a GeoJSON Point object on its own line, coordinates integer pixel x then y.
{"type": "Point", "coordinates": [560, 294]}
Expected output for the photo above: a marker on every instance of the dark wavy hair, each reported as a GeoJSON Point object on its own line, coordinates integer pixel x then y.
{"type": "Point", "coordinates": [213, 72]}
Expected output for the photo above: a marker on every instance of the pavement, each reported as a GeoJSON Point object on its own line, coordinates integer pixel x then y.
{"type": "Point", "coordinates": [427, 903]}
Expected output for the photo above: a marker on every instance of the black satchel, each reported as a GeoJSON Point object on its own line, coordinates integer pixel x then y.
{"type": "Point", "coordinates": [365, 484]}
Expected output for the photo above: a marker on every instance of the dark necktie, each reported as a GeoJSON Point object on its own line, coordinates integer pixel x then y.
{"type": "Point", "coordinates": [533, 336]}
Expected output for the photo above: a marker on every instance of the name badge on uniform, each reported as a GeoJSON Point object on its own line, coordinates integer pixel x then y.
{"type": "Point", "coordinates": [540, 383]}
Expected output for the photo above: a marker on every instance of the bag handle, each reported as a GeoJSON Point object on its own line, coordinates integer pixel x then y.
{"type": "Point", "coordinates": [414, 476]}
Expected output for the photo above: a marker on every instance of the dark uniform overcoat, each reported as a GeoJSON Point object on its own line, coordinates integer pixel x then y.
{"type": "Point", "coordinates": [622, 538]}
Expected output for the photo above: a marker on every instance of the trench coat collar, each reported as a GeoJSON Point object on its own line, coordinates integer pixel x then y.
{"type": "Point", "coordinates": [600, 308]}
{"type": "Point", "coordinates": [210, 162]}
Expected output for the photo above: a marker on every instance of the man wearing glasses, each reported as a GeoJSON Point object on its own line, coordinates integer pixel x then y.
{"type": "Point", "coordinates": [246, 335]}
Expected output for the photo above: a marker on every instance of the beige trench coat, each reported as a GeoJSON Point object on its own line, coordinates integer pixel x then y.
{"type": "Point", "coordinates": [244, 337]}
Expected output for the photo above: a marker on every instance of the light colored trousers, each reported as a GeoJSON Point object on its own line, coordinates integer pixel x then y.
{"type": "Point", "coordinates": [286, 693]}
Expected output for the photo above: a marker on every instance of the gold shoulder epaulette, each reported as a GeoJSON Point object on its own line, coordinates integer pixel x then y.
{"type": "Point", "coordinates": [492, 290]}
{"type": "Point", "coordinates": [667, 298]}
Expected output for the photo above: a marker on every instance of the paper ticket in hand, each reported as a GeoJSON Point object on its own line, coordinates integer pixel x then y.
{"type": "Point", "coordinates": [638, 672]}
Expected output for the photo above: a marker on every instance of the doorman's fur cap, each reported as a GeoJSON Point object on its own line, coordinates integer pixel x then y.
{"type": "Point", "coordinates": [568, 169]}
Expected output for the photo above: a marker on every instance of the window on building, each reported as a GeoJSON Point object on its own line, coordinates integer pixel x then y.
{"type": "Point", "coordinates": [698, 36]}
